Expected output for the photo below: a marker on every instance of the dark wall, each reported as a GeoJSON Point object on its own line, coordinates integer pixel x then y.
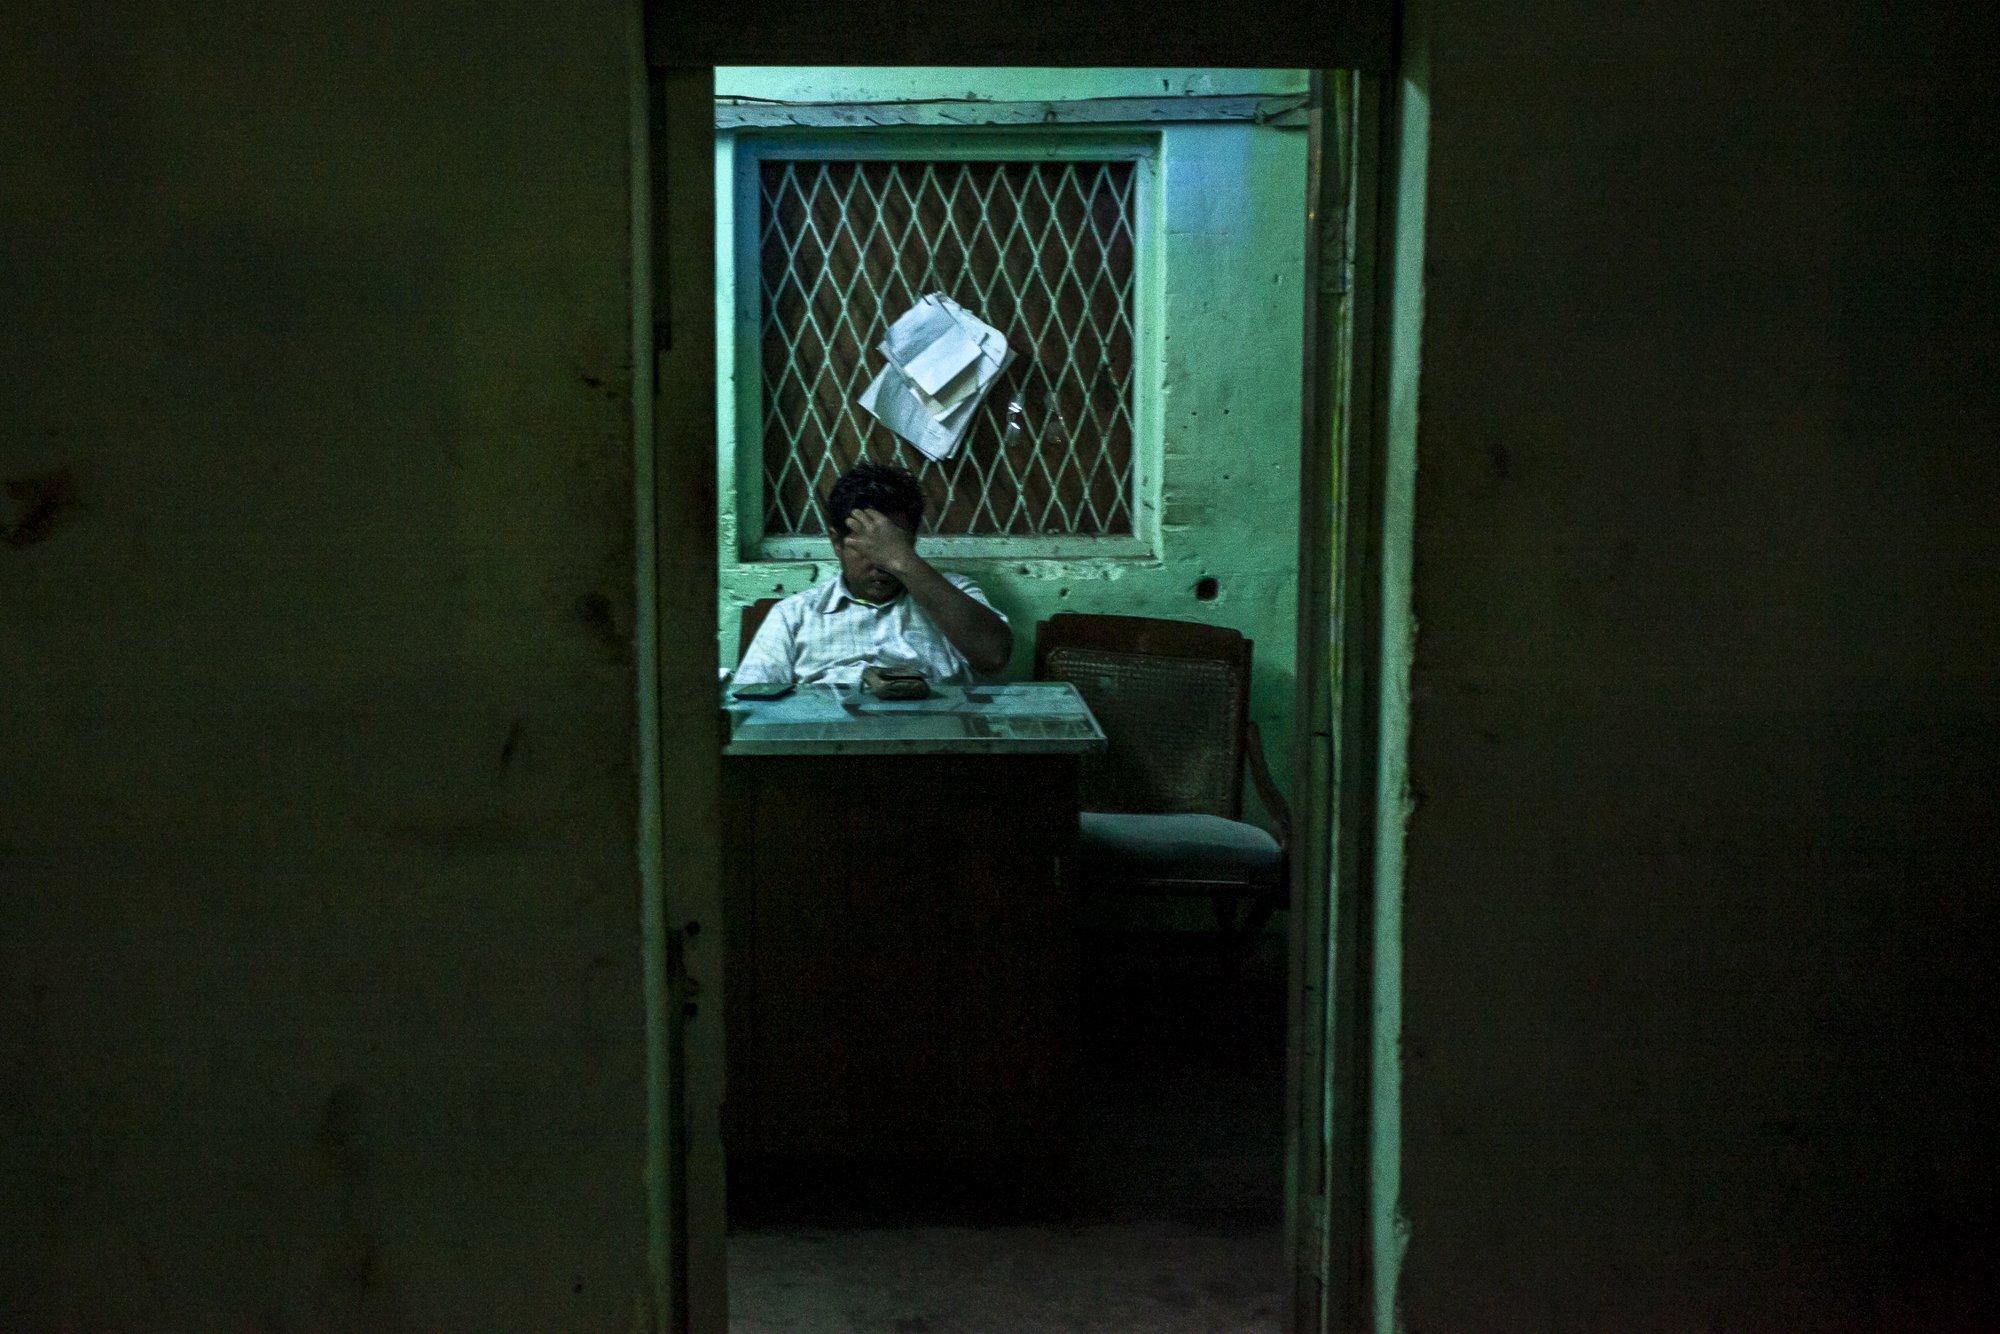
{"type": "Point", "coordinates": [1699, 981]}
{"type": "Point", "coordinates": [319, 995]}
{"type": "Point", "coordinates": [319, 969]}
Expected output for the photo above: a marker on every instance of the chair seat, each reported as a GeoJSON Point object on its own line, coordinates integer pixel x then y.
{"type": "Point", "coordinates": [1206, 848]}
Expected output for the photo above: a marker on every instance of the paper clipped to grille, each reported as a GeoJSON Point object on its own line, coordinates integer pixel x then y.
{"type": "Point", "coordinates": [941, 361]}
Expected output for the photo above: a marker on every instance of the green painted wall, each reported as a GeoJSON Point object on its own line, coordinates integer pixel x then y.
{"type": "Point", "coordinates": [1003, 84]}
{"type": "Point", "coordinates": [1229, 233]}
{"type": "Point", "coordinates": [320, 1002]}
{"type": "Point", "coordinates": [1699, 933]}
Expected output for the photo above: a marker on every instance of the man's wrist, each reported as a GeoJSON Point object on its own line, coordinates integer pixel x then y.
{"type": "Point", "coordinates": [906, 564]}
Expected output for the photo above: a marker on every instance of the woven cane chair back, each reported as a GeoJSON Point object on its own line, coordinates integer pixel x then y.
{"type": "Point", "coordinates": [1172, 698]}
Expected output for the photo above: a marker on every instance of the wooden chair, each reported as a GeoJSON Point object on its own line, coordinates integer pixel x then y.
{"type": "Point", "coordinates": [1163, 804]}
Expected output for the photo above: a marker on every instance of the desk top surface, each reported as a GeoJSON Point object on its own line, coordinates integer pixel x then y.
{"type": "Point", "coordinates": [1023, 718]}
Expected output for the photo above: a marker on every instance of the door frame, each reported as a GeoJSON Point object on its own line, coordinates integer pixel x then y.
{"type": "Point", "coordinates": [1345, 1232]}
{"type": "Point", "coordinates": [1362, 318]}
{"type": "Point", "coordinates": [679, 731]}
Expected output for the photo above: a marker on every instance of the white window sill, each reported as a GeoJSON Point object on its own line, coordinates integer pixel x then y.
{"type": "Point", "coordinates": [953, 549]}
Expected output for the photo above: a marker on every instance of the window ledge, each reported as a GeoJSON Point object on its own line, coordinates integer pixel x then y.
{"type": "Point", "coordinates": [777, 549]}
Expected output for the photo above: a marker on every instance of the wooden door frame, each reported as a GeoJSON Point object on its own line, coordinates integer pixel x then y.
{"type": "Point", "coordinates": [680, 737]}
{"type": "Point", "coordinates": [1363, 323]}
{"type": "Point", "coordinates": [1318, 1285]}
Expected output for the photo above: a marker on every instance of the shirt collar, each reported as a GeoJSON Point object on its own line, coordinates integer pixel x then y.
{"type": "Point", "coordinates": [837, 596]}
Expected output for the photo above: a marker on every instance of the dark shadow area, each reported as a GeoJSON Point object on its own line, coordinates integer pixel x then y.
{"type": "Point", "coordinates": [1180, 1087]}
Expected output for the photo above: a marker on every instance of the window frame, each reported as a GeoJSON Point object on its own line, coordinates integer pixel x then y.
{"type": "Point", "coordinates": [740, 154]}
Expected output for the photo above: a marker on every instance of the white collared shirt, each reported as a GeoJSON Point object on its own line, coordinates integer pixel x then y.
{"type": "Point", "coordinates": [826, 634]}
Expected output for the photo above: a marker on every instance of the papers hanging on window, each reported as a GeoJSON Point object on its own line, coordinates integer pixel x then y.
{"type": "Point", "coordinates": [941, 361]}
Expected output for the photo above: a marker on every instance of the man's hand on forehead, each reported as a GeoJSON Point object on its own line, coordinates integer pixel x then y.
{"type": "Point", "coordinates": [877, 538]}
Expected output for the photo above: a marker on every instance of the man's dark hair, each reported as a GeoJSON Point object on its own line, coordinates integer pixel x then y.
{"type": "Point", "coordinates": [882, 487]}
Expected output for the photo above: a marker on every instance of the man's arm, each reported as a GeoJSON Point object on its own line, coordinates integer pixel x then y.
{"type": "Point", "coordinates": [973, 629]}
{"type": "Point", "coordinates": [773, 650]}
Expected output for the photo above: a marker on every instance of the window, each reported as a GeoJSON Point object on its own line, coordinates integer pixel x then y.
{"type": "Point", "coordinates": [1038, 235]}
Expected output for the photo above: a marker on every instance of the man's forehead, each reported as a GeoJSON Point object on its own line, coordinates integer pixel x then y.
{"type": "Point", "coordinates": [901, 521]}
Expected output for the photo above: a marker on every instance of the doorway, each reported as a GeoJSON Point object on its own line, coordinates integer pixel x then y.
{"type": "Point", "coordinates": [689, 1169]}
{"type": "Point", "coordinates": [1134, 237]}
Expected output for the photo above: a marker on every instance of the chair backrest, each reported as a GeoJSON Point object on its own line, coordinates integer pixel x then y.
{"type": "Point", "coordinates": [1173, 699]}
{"type": "Point", "coordinates": [752, 616]}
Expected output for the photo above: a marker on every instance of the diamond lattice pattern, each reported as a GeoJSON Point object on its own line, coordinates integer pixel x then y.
{"type": "Point", "coordinates": [1043, 251]}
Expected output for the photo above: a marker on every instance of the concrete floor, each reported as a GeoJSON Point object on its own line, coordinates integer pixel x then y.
{"type": "Point", "coordinates": [1165, 1217]}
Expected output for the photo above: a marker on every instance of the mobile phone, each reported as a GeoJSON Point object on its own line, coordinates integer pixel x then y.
{"type": "Point", "coordinates": [760, 689]}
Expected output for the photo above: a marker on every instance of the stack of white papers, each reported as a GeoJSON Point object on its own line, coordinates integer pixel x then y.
{"type": "Point", "coordinates": [942, 360]}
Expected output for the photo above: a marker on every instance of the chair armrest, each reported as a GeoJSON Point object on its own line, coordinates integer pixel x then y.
{"type": "Point", "coordinates": [1267, 788]}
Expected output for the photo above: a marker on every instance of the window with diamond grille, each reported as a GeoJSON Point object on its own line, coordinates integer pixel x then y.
{"type": "Point", "coordinates": [1043, 250]}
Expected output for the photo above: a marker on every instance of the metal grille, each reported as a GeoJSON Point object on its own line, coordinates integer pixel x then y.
{"type": "Point", "coordinates": [1043, 251]}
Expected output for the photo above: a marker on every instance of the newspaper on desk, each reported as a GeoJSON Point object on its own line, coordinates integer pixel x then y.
{"type": "Point", "coordinates": [941, 361]}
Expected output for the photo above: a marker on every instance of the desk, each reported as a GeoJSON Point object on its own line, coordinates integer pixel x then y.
{"type": "Point", "coordinates": [901, 958]}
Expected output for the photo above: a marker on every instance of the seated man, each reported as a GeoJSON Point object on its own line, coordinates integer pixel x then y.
{"type": "Point", "coordinates": [888, 607]}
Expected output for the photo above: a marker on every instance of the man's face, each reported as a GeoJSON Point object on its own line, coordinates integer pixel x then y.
{"type": "Point", "coordinates": [864, 578]}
